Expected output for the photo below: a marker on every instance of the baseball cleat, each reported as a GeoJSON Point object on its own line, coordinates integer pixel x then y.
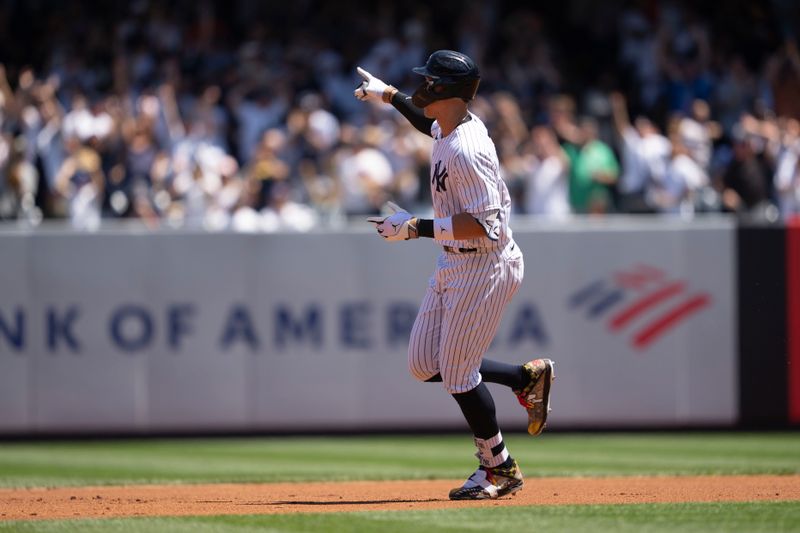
{"type": "Point", "coordinates": [489, 483]}
{"type": "Point", "coordinates": [535, 397]}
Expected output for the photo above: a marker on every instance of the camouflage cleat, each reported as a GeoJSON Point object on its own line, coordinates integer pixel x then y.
{"type": "Point", "coordinates": [489, 483]}
{"type": "Point", "coordinates": [535, 397]}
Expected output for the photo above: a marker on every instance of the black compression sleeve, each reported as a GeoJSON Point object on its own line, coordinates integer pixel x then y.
{"type": "Point", "coordinates": [415, 115]}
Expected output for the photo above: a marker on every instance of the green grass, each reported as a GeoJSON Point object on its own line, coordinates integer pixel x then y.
{"type": "Point", "coordinates": [48, 464]}
{"type": "Point", "coordinates": [415, 457]}
{"type": "Point", "coordinates": [699, 517]}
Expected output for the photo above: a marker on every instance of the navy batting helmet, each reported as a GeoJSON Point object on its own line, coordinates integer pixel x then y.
{"type": "Point", "coordinates": [448, 74]}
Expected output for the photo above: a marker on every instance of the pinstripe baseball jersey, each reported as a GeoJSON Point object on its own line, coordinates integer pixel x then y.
{"type": "Point", "coordinates": [468, 292]}
{"type": "Point", "coordinates": [465, 178]}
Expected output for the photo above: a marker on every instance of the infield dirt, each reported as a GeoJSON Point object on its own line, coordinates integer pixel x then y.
{"type": "Point", "coordinates": [324, 497]}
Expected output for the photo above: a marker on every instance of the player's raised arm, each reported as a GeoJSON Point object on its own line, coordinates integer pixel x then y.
{"type": "Point", "coordinates": [375, 89]}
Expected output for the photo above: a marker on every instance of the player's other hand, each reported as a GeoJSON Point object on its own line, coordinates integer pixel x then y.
{"type": "Point", "coordinates": [398, 226]}
{"type": "Point", "coordinates": [371, 88]}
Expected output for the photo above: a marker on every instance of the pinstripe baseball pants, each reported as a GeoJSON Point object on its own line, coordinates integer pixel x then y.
{"type": "Point", "coordinates": [460, 314]}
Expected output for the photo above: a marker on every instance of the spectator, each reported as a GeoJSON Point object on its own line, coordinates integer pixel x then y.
{"type": "Point", "coordinates": [696, 132]}
{"type": "Point", "coordinates": [547, 189]}
{"type": "Point", "coordinates": [323, 192]}
{"type": "Point", "coordinates": [596, 171]}
{"type": "Point", "coordinates": [645, 153]}
{"type": "Point", "coordinates": [256, 109]}
{"type": "Point", "coordinates": [174, 101]}
{"type": "Point", "coordinates": [638, 50]}
{"type": "Point", "coordinates": [783, 76]}
{"type": "Point", "coordinates": [267, 166]}
{"type": "Point", "coordinates": [283, 213]}
{"type": "Point", "coordinates": [81, 181]}
{"type": "Point", "coordinates": [22, 182]}
{"type": "Point", "coordinates": [684, 55]}
{"type": "Point", "coordinates": [87, 120]}
{"type": "Point", "coordinates": [684, 189]}
{"type": "Point", "coordinates": [225, 199]}
{"type": "Point", "coordinates": [736, 92]}
{"type": "Point", "coordinates": [787, 171]}
{"type": "Point", "coordinates": [365, 173]}
{"type": "Point", "coordinates": [745, 182]}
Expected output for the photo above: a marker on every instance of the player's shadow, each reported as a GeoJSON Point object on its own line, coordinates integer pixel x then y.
{"type": "Point", "coordinates": [346, 502]}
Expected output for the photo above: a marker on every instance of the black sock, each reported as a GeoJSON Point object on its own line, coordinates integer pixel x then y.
{"type": "Point", "coordinates": [507, 463]}
{"type": "Point", "coordinates": [478, 408]}
{"type": "Point", "coordinates": [509, 375]}
{"type": "Point", "coordinates": [496, 372]}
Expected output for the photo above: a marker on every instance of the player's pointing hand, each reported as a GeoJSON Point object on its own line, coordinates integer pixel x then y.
{"type": "Point", "coordinates": [371, 88]}
{"type": "Point", "coordinates": [398, 226]}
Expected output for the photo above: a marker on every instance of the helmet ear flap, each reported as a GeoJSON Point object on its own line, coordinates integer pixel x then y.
{"type": "Point", "coordinates": [470, 89]}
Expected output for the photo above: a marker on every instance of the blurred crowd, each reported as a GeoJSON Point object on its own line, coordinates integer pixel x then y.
{"type": "Point", "coordinates": [240, 114]}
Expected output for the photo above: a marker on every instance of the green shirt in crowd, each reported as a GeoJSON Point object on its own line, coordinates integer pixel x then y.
{"type": "Point", "coordinates": [585, 192]}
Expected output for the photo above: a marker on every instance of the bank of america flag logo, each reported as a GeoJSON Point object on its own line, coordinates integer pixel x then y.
{"type": "Point", "coordinates": [643, 303]}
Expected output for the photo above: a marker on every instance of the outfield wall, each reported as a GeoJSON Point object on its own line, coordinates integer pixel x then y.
{"type": "Point", "coordinates": [172, 332]}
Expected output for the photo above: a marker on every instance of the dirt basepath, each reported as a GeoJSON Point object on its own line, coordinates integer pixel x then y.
{"type": "Point", "coordinates": [175, 500]}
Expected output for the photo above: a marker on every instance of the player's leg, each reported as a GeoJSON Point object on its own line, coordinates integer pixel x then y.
{"type": "Point", "coordinates": [529, 382]}
{"type": "Point", "coordinates": [423, 344]}
{"type": "Point", "coordinates": [512, 376]}
{"type": "Point", "coordinates": [498, 473]}
{"type": "Point", "coordinates": [473, 306]}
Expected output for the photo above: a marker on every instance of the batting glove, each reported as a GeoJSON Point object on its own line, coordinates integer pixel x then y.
{"type": "Point", "coordinates": [371, 88]}
{"type": "Point", "coordinates": [398, 226]}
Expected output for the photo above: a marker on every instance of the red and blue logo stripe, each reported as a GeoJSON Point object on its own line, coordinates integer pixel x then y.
{"type": "Point", "coordinates": [642, 302]}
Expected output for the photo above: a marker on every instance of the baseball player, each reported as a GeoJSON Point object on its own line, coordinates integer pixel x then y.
{"type": "Point", "coordinates": [479, 270]}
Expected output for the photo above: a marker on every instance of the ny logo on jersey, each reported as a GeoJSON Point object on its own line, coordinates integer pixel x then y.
{"type": "Point", "coordinates": [439, 175]}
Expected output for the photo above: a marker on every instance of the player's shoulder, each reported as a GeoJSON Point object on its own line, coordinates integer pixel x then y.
{"type": "Point", "coordinates": [473, 133]}
{"type": "Point", "coordinates": [472, 140]}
